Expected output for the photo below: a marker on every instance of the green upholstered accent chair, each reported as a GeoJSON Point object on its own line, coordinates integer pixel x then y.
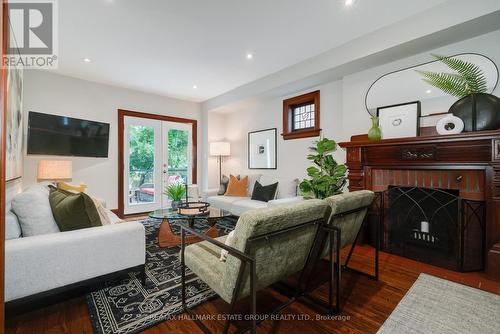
{"type": "Point", "coordinates": [348, 215]}
{"type": "Point", "coordinates": [269, 245]}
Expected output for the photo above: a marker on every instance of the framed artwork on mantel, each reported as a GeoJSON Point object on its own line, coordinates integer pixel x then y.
{"type": "Point", "coordinates": [262, 152]}
{"type": "Point", "coordinates": [399, 120]}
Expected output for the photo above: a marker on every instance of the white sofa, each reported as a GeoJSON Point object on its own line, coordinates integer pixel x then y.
{"type": "Point", "coordinates": [41, 263]}
{"type": "Point", "coordinates": [287, 193]}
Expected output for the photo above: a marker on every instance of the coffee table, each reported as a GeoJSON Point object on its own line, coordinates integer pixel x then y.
{"type": "Point", "coordinates": [167, 237]}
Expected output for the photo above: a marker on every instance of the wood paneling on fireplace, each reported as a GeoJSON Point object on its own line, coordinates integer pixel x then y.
{"type": "Point", "coordinates": [469, 162]}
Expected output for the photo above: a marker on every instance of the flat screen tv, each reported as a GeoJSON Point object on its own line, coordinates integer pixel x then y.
{"type": "Point", "coordinates": [59, 135]}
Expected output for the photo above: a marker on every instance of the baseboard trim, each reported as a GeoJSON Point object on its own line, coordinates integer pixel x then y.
{"type": "Point", "coordinates": [493, 263]}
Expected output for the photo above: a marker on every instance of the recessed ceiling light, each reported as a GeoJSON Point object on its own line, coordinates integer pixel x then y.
{"type": "Point", "coordinates": [87, 60]}
{"type": "Point", "coordinates": [428, 91]}
{"type": "Point", "coordinates": [195, 87]}
{"type": "Point", "coordinates": [349, 2]}
{"type": "Point", "coordinates": [249, 55]}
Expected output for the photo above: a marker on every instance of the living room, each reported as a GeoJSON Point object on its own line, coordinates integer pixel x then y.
{"type": "Point", "coordinates": [265, 167]}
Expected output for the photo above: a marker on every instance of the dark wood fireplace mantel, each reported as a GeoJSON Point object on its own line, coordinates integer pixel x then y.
{"type": "Point", "coordinates": [469, 162]}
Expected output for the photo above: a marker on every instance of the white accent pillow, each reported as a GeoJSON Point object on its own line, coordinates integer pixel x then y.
{"type": "Point", "coordinates": [287, 187]}
{"type": "Point", "coordinates": [101, 210]}
{"type": "Point", "coordinates": [33, 211]}
{"type": "Point", "coordinates": [224, 253]}
{"type": "Point", "coordinates": [114, 219]}
{"type": "Point", "coordinates": [12, 228]}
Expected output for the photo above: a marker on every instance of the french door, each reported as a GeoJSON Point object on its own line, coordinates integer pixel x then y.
{"type": "Point", "coordinates": [156, 153]}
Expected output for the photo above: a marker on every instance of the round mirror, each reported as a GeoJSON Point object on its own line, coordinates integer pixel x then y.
{"type": "Point", "coordinates": [406, 85]}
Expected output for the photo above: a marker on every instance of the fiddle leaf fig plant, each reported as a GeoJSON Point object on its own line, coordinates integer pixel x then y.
{"type": "Point", "coordinates": [326, 177]}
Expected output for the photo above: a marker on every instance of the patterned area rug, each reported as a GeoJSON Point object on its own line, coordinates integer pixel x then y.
{"type": "Point", "coordinates": [126, 306]}
{"type": "Point", "coordinates": [435, 305]}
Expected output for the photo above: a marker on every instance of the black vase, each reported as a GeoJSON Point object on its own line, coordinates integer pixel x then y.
{"type": "Point", "coordinates": [479, 112]}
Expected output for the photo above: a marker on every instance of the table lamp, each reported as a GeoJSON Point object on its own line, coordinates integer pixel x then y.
{"type": "Point", "coordinates": [54, 170]}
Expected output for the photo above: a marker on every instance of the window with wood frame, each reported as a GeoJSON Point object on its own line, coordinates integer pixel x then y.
{"type": "Point", "coordinates": [301, 118]}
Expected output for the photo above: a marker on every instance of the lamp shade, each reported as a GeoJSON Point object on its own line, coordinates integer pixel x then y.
{"type": "Point", "coordinates": [54, 169]}
{"type": "Point", "coordinates": [220, 148]}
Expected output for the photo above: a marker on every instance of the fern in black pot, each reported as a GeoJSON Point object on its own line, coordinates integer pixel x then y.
{"type": "Point", "coordinates": [478, 109]}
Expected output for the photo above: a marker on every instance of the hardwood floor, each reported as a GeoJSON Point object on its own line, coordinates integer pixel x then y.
{"type": "Point", "coordinates": [367, 303]}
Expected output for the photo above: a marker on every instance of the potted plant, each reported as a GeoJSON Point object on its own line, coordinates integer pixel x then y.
{"type": "Point", "coordinates": [327, 177]}
{"type": "Point", "coordinates": [478, 109]}
{"type": "Point", "coordinates": [175, 192]}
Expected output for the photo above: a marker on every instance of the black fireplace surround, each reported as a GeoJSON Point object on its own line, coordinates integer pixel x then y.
{"type": "Point", "coordinates": [434, 226]}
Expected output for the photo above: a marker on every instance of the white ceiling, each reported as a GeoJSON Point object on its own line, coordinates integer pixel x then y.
{"type": "Point", "coordinates": [167, 46]}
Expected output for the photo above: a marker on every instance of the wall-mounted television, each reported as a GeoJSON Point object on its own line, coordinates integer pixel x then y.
{"type": "Point", "coordinates": [59, 135]}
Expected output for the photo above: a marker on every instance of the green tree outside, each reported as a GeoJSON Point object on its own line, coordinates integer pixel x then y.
{"type": "Point", "coordinates": [142, 149]}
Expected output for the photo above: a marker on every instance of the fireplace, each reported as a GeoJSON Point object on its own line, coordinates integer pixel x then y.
{"type": "Point", "coordinates": [463, 168]}
{"type": "Point", "coordinates": [434, 226]}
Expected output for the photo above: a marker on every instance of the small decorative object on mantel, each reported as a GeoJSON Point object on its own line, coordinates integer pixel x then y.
{"type": "Point", "coordinates": [327, 178]}
{"type": "Point", "coordinates": [478, 109]}
{"type": "Point", "coordinates": [399, 120]}
{"type": "Point", "coordinates": [374, 133]}
{"type": "Point", "coordinates": [450, 125]}
{"type": "Point", "coordinates": [262, 151]}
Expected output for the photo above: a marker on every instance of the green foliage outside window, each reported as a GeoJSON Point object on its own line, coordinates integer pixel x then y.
{"type": "Point", "coordinates": [142, 154]}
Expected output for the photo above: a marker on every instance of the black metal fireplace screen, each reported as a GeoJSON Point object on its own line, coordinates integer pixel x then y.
{"type": "Point", "coordinates": [435, 226]}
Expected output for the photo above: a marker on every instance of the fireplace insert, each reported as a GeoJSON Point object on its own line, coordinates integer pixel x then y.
{"type": "Point", "coordinates": [434, 226]}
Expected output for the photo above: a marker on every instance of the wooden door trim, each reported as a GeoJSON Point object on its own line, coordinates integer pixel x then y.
{"type": "Point", "coordinates": [122, 113]}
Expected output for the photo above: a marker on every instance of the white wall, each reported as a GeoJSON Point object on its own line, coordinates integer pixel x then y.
{"type": "Point", "coordinates": [55, 94]}
{"type": "Point", "coordinates": [356, 120]}
{"type": "Point", "coordinates": [216, 132]}
{"type": "Point", "coordinates": [343, 111]}
{"type": "Point", "coordinates": [267, 113]}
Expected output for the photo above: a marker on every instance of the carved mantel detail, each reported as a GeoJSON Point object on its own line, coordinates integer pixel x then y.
{"type": "Point", "coordinates": [469, 162]}
{"type": "Point", "coordinates": [418, 153]}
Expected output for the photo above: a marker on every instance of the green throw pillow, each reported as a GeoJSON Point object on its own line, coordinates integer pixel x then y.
{"type": "Point", "coordinates": [73, 211]}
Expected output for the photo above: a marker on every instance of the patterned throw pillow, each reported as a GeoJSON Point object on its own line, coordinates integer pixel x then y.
{"type": "Point", "coordinates": [223, 185]}
{"type": "Point", "coordinates": [224, 253]}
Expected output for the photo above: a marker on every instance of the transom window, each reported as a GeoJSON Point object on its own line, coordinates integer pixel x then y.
{"type": "Point", "coordinates": [301, 116]}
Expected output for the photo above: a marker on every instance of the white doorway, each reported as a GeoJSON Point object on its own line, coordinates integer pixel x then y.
{"type": "Point", "coordinates": [156, 153]}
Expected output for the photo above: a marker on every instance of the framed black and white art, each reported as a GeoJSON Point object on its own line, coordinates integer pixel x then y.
{"type": "Point", "coordinates": [262, 152]}
{"type": "Point", "coordinates": [399, 120]}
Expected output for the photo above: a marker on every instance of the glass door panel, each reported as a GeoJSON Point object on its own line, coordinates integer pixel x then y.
{"type": "Point", "coordinates": [156, 153]}
{"type": "Point", "coordinates": [141, 171]}
{"type": "Point", "coordinates": [141, 165]}
{"type": "Point", "coordinates": [177, 154]}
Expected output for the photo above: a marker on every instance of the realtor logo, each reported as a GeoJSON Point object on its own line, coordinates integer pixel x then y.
{"type": "Point", "coordinates": [33, 34]}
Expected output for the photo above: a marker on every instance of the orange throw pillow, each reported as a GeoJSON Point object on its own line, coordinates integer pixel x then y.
{"type": "Point", "coordinates": [237, 187]}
